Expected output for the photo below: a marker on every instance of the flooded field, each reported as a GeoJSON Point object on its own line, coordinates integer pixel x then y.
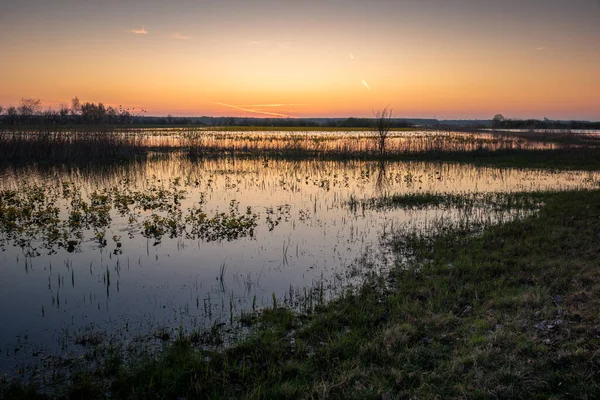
{"type": "Point", "coordinates": [149, 247]}
{"type": "Point", "coordinates": [69, 144]}
{"type": "Point", "coordinates": [356, 142]}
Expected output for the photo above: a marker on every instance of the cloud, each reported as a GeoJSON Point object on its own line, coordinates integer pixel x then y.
{"type": "Point", "coordinates": [243, 108]}
{"type": "Point", "coordinates": [179, 36]}
{"type": "Point", "coordinates": [540, 48]}
{"type": "Point", "coordinates": [351, 56]}
{"type": "Point", "coordinates": [366, 84]}
{"type": "Point", "coordinates": [139, 31]}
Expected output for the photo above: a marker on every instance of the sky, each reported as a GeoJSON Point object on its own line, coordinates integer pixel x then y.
{"type": "Point", "coordinates": [448, 59]}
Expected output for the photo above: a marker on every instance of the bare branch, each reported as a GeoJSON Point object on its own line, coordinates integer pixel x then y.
{"type": "Point", "coordinates": [383, 123]}
{"type": "Point", "coordinates": [30, 106]}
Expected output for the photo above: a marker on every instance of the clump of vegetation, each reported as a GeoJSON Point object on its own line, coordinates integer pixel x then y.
{"type": "Point", "coordinates": [67, 145]}
{"type": "Point", "coordinates": [31, 216]}
{"type": "Point", "coordinates": [493, 201]}
{"type": "Point", "coordinates": [232, 225]}
{"type": "Point", "coordinates": [383, 124]}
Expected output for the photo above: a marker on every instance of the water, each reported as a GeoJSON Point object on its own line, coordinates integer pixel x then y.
{"type": "Point", "coordinates": [300, 233]}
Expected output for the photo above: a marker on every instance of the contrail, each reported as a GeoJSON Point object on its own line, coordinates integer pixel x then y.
{"type": "Point", "coordinates": [272, 105]}
{"type": "Point", "coordinates": [253, 111]}
{"type": "Point", "coordinates": [366, 84]}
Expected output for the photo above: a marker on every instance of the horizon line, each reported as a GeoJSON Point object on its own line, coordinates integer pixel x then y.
{"type": "Point", "coordinates": [347, 117]}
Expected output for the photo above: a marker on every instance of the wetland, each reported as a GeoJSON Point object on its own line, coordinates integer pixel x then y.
{"type": "Point", "coordinates": [207, 260]}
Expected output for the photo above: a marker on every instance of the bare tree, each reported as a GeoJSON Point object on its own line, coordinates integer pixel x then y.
{"type": "Point", "coordinates": [383, 123]}
{"type": "Point", "coordinates": [1, 109]}
{"type": "Point", "coordinates": [75, 105]}
{"type": "Point", "coordinates": [30, 106]}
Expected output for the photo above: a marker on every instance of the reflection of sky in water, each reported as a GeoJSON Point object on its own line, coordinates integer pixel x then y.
{"type": "Point", "coordinates": [349, 141]}
{"type": "Point", "coordinates": [176, 281]}
{"type": "Point", "coordinates": [354, 141]}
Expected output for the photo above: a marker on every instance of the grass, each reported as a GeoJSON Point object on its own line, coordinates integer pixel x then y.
{"type": "Point", "coordinates": [460, 201]}
{"type": "Point", "coordinates": [509, 313]}
{"type": "Point", "coordinates": [547, 150]}
{"type": "Point", "coordinates": [581, 158]}
{"type": "Point", "coordinates": [69, 146]}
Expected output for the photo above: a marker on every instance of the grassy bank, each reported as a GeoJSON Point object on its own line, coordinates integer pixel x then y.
{"type": "Point", "coordinates": [511, 313]}
{"type": "Point", "coordinates": [583, 158]}
{"type": "Point", "coordinates": [459, 201]}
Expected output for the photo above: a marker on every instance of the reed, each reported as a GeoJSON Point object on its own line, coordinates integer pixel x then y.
{"type": "Point", "coordinates": [73, 144]}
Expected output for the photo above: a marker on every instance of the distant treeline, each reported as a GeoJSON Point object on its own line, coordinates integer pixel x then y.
{"type": "Point", "coordinates": [29, 112]}
{"type": "Point", "coordinates": [127, 118]}
{"type": "Point", "coordinates": [543, 124]}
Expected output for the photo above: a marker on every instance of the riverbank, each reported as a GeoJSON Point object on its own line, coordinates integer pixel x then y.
{"type": "Point", "coordinates": [510, 313]}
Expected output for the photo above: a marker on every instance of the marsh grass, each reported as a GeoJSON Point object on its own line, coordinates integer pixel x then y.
{"type": "Point", "coordinates": [508, 313]}
{"type": "Point", "coordinates": [77, 145]}
{"type": "Point", "coordinates": [492, 201]}
{"type": "Point", "coordinates": [351, 144]}
{"type": "Point", "coordinates": [68, 145]}
{"type": "Point", "coordinates": [558, 136]}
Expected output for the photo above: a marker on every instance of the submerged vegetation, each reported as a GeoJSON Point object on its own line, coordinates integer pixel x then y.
{"type": "Point", "coordinates": [36, 216]}
{"type": "Point", "coordinates": [509, 313]}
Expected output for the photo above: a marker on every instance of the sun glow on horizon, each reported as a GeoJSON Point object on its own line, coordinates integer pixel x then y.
{"type": "Point", "coordinates": [289, 60]}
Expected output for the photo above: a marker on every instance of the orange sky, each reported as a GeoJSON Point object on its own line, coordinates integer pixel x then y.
{"type": "Point", "coordinates": [471, 59]}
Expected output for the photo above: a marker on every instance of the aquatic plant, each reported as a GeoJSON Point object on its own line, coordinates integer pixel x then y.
{"type": "Point", "coordinates": [69, 144]}
{"type": "Point", "coordinates": [32, 215]}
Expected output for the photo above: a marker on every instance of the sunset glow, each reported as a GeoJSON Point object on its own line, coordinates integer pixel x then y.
{"type": "Point", "coordinates": [451, 59]}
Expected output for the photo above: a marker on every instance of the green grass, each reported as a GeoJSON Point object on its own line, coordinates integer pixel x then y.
{"type": "Point", "coordinates": [511, 313]}
{"type": "Point", "coordinates": [461, 201]}
{"type": "Point", "coordinates": [582, 158]}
